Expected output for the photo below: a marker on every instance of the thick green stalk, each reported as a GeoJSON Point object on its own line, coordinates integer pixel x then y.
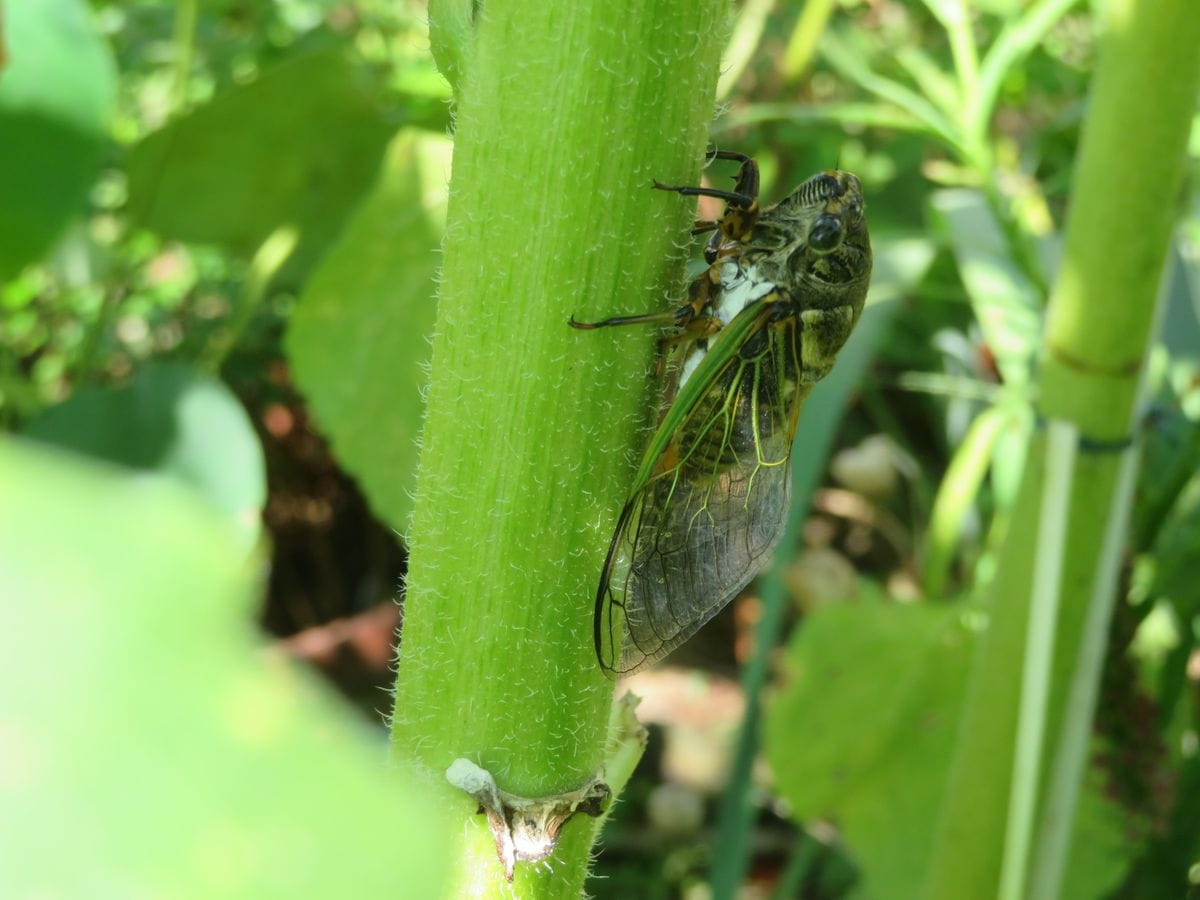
{"type": "Point", "coordinates": [1101, 318]}
{"type": "Point", "coordinates": [564, 113]}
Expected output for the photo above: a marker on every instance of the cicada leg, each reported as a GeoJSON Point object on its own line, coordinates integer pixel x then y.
{"type": "Point", "coordinates": [688, 318]}
{"type": "Point", "coordinates": [690, 321]}
{"type": "Point", "coordinates": [741, 206]}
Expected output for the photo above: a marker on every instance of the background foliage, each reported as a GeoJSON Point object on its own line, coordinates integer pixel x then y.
{"type": "Point", "coordinates": [218, 234]}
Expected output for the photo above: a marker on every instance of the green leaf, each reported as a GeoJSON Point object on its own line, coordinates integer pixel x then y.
{"type": "Point", "coordinates": [359, 338]}
{"type": "Point", "coordinates": [144, 728]}
{"type": "Point", "coordinates": [172, 420]}
{"type": "Point", "coordinates": [863, 729]}
{"type": "Point", "coordinates": [1006, 304]}
{"type": "Point", "coordinates": [1102, 842]}
{"type": "Point", "coordinates": [57, 96]}
{"type": "Point", "coordinates": [298, 146]}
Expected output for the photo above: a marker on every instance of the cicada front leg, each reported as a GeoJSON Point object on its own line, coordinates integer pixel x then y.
{"type": "Point", "coordinates": [741, 207]}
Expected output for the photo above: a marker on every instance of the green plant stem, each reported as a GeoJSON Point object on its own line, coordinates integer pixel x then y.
{"type": "Point", "coordinates": [839, 54]}
{"type": "Point", "coordinates": [802, 45]}
{"type": "Point", "coordinates": [1061, 444]}
{"type": "Point", "coordinates": [564, 117]}
{"type": "Point", "coordinates": [872, 115]}
{"type": "Point", "coordinates": [955, 17]}
{"type": "Point", "coordinates": [270, 256]}
{"type": "Point", "coordinates": [184, 46]}
{"type": "Point", "coordinates": [743, 43]}
{"type": "Point", "coordinates": [956, 493]}
{"type": "Point", "coordinates": [1066, 769]}
{"type": "Point", "coordinates": [1011, 45]}
{"type": "Point", "coordinates": [1100, 321]}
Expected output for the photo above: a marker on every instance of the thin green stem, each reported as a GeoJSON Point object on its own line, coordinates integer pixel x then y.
{"type": "Point", "coordinates": [843, 58]}
{"type": "Point", "coordinates": [799, 865]}
{"type": "Point", "coordinates": [184, 45]}
{"type": "Point", "coordinates": [955, 495]}
{"type": "Point", "coordinates": [1060, 447]}
{"type": "Point", "coordinates": [802, 45]}
{"type": "Point", "coordinates": [271, 255]}
{"type": "Point", "coordinates": [955, 18]}
{"type": "Point", "coordinates": [743, 43]}
{"type": "Point", "coordinates": [1013, 43]}
{"type": "Point", "coordinates": [955, 386]}
{"type": "Point", "coordinates": [1065, 774]}
{"type": "Point", "coordinates": [872, 115]}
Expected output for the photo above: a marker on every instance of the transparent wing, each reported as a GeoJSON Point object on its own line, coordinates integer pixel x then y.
{"type": "Point", "coordinates": [705, 521]}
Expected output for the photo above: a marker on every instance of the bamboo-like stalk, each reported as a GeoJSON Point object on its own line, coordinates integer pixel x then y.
{"type": "Point", "coordinates": [564, 115]}
{"type": "Point", "coordinates": [1100, 323]}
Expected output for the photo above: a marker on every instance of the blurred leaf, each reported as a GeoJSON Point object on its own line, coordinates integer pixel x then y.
{"type": "Point", "coordinates": [956, 495]}
{"type": "Point", "coordinates": [360, 337]}
{"type": "Point", "coordinates": [1006, 304]}
{"type": "Point", "coordinates": [298, 146]}
{"type": "Point", "coordinates": [848, 60]}
{"type": "Point", "coordinates": [1102, 843]}
{"type": "Point", "coordinates": [1008, 457]}
{"type": "Point", "coordinates": [871, 115]}
{"type": "Point", "coordinates": [1181, 325]}
{"type": "Point", "coordinates": [142, 726]}
{"type": "Point", "coordinates": [872, 694]}
{"type": "Point", "coordinates": [144, 729]}
{"type": "Point", "coordinates": [172, 420]}
{"type": "Point", "coordinates": [899, 265]}
{"type": "Point", "coordinates": [863, 729]}
{"type": "Point", "coordinates": [57, 96]}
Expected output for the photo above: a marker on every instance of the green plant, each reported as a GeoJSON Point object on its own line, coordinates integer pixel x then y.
{"type": "Point", "coordinates": [547, 217]}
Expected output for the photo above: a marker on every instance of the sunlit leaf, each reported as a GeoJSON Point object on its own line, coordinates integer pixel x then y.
{"type": "Point", "coordinates": [864, 727]}
{"type": "Point", "coordinates": [360, 337]}
{"type": "Point", "coordinates": [144, 728]}
{"type": "Point", "coordinates": [57, 97]}
{"type": "Point", "coordinates": [298, 146]}
{"type": "Point", "coordinates": [172, 420]}
{"type": "Point", "coordinates": [1006, 304]}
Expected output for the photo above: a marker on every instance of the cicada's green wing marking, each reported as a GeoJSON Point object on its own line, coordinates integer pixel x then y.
{"type": "Point", "coordinates": [765, 322]}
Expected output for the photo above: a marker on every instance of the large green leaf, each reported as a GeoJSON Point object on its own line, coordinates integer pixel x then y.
{"type": "Point", "coordinates": [296, 147]}
{"type": "Point", "coordinates": [1006, 303]}
{"type": "Point", "coordinates": [173, 420]}
{"type": "Point", "coordinates": [57, 95]}
{"type": "Point", "coordinates": [359, 338]}
{"type": "Point", "coordinates": [863, 732]}
{"type": "Point", "coordinates": [148, 747]}
{"type": "Point", "coordinates": [864, 728]}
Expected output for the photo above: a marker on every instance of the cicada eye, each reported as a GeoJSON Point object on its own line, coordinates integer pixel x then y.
{"type": "Point", "coordinates": [826, 234]}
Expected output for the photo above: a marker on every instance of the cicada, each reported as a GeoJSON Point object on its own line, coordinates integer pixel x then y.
{"type": "Point", "coordinates": [784, 287]}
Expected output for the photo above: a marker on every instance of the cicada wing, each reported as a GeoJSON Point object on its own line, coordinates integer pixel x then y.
{"type": "Point", "coordinates": [705, 524]}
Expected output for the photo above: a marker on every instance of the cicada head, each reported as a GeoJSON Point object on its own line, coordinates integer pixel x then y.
{"type": "Point", "coordinates": [825, 210]}
{"type": "Point", "coordinates": [829, 240]}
